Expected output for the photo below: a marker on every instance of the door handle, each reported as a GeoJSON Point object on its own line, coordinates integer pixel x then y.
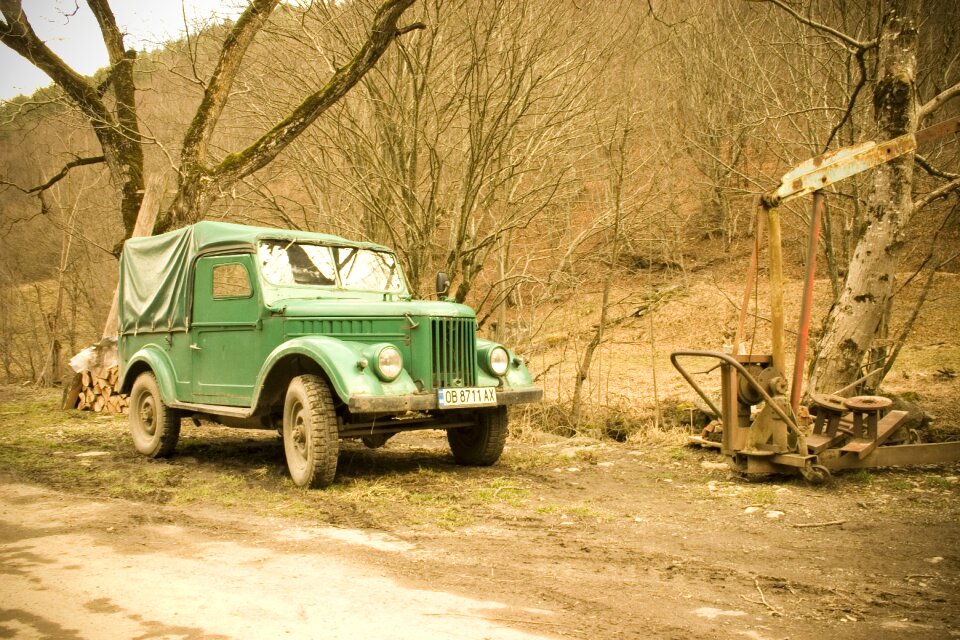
{"type": "Point", "coordinates": [195, 347]}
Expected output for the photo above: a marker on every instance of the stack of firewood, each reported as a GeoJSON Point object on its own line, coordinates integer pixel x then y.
{"type": "Point", "coordinates": [96, 385]}
{"type": "Point", "coordinates": [97, 390]}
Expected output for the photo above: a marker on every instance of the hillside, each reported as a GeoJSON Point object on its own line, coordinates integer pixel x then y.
{"type": "Point", "coordinates": [532, 153]}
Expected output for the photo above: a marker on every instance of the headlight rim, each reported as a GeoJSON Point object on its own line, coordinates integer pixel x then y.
{"type": "Point", "coordinates": [489, 360]}
{"type": "Point", "coordinates": [379, 367]}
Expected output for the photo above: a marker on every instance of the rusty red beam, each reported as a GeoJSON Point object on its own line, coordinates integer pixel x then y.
{"type": "Point", "coordinates": [803, 333]}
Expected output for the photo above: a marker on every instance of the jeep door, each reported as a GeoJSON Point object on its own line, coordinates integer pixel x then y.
{"type": "Point", "coordinates": [225, 331]}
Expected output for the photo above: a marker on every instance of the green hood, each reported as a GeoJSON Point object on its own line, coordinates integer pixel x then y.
{"type": "Point", "coordinates": [304, 308]}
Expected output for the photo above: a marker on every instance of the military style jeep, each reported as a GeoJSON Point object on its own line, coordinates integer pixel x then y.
{"type": "Point", "coordinates": [262, 327]}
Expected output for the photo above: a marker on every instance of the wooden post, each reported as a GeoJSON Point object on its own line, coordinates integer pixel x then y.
{"type": "Point", "coordinates": [751, 280]}
{"type": "Point", "coordinates": [776, 288]}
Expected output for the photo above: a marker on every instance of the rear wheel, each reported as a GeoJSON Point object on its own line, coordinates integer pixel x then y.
{"type": "Point", "coordinates": [154, 426]}
{"type": "Point", "coordinates": [311, 440]}
{"type": "Point", "coordinates": [481, 444]}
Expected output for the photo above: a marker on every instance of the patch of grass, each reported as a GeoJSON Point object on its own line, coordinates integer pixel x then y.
{"type": "Point", "coordinates": [582, 512]}
{"type": "Point", "coordinates": [547, 509]}
{"type": "Point", "coordinates": [900, 484]}
{"type": "Point", "coordinates": [530, 460]}
{"type": "Point", "coordinates": [587, 456]}
{"type": "Point", "coordinates": [937, 482]}
{"type": "Point", "coordinates": [453, 517]}
{"type": "Point", "coordinates": [860, 476]}
{"type": "Point", "coordinates": [762, 496]}
{"type": "Point", "coordinates": [501, 490]}
{"type": "Point", "coordinates": [679, 453]}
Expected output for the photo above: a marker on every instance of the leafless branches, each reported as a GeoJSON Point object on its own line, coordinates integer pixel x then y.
{"type": "Point", "coordinates": [938, 101]}
{"type": "Point", "coordinates": [851, 43]}
{"type": "Point", "coordinates": [60, 175]}
{"type": "Point", "coordinates": [200, 184]}
{"type": "Point", "coordinates": [936, 194]}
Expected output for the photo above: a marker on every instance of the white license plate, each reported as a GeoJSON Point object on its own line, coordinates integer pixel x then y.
{"type": "Point", "coordinates": [466, 397]}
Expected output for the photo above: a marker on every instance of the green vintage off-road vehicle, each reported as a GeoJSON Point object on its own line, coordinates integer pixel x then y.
{"type": "Point", "coordinates": [264, 327]}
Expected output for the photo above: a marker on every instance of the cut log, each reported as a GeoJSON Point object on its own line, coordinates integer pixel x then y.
{"type": "Point", "coordinates": [71, 393]}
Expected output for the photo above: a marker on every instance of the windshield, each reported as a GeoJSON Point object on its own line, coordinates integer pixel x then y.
{"type": "Point", "coordinates": [288, 262]}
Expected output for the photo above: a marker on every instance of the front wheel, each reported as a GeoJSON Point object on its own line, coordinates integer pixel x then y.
{"type": "Point", "coordinates": [816, 474]}
{"type": "Point", "coordinates": [481, 444]}
{"type": "Point", "coordinates": [311, 440]}
{"type": "Point", "coordinates": [154, 426]}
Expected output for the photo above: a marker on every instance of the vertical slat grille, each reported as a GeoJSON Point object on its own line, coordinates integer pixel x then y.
{"type": "Point", "coordinates": [454, 352]}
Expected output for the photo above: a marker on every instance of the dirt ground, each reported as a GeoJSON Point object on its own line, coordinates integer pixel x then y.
{"type": "Point", "coordinates": [564, 538]}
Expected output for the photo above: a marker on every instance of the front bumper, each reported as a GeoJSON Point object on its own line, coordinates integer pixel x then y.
{"type": "Point", "coordinates": [428, 401]}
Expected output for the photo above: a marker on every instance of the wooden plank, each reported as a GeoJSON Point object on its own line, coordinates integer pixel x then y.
{"type": "Point", "coordinates": [71, 394]}
{"type": "Point", "coordinates": [886, 427]}
{"type": "Point", "coordinates": [821, 442]}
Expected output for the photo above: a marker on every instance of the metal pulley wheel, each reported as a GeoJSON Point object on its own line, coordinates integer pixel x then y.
{"type": "Point", "coordinates": [830, 402]}
{"type": "Point", "coordinates": [865, 404]}
{"type": "Point", "coordinates": [770, 378]}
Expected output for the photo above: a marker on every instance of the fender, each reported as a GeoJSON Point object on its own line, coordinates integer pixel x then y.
{"type": "Point", "coordinates": [339, 360]}
{"type": "Point", "coordinates": [518, 376]}
{"type": "Point", "coordinates": [159, 362]}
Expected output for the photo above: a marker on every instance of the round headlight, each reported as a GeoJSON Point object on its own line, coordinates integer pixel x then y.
{"type": "Point", "coordinates": [499, 361]}
{"type": "Point", "coordinates": [389, 363]}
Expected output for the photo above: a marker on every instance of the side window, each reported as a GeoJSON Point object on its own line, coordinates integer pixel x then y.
{"type": "Point", "coordinates": [231, 281]}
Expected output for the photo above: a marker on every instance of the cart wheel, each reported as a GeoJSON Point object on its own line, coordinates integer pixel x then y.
{"type": "Point", "coordinates": [816, 474]}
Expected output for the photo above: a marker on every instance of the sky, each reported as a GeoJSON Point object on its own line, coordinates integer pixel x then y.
{"type": "Point", "coordinates": [70, 30]}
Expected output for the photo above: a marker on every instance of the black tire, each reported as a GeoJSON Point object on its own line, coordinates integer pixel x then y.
{"type": "Point", "coordinates": [481, 444]}
{"type": "Point", "coordinates": [154, 426]}
{"type": "Point", "coordinates": [311, 440]}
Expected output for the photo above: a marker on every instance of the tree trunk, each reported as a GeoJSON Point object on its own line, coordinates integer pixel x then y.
{"type": "Point", "coordinates": [860, 311]}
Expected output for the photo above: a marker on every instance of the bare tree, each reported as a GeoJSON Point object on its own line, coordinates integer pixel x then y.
{"type": "Point", "coordinates": [116, 127]}
{"type": "Point", "coordinates": [864, 305]}
{"type": "Point", "coordinates": [202, 178]}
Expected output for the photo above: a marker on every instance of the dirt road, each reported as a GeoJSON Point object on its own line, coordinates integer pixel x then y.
{"type": "Point", "coordinates": [77, 568]}
{"type": "Point", "coordinates": [597, 540]}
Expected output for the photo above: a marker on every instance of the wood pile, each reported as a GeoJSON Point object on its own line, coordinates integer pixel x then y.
{"type": "Point", "coordinates": [96, 385]}
{"type": "Point", "coordinates": [97, 390]}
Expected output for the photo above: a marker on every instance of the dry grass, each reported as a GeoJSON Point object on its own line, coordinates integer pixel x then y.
{"type": "Point", "coordinates": [620, 388]}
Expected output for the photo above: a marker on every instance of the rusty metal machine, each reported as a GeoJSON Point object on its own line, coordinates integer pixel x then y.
{"type": "Point", "coordinates": [833, 432]}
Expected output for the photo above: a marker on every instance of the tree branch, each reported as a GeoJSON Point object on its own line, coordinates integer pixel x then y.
{"type": "Point", "coordinates": [937, 101]}
{"type": "Point", "coordinates": [129, 149]}
{"type": "Point", "coordinates": [78, 162]}
{"type": "Point", "coordinates": [936, 194]}
{"type": "Point", "coordinates": [383, 32]}
{"type": "Point", "coordinates": [218, 88]}
{"type": "Point", "coordinates": [18, 34]}
{"type": "Point", "coordinates": [837, 35]}
{"type": "Point", "coordinates": [862, 68]}
{"type": "Point", "coordinates": [932, 170]}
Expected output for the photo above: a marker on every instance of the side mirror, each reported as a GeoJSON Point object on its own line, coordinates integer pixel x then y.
{"type": "Point", "coordinates": [443, 285]}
